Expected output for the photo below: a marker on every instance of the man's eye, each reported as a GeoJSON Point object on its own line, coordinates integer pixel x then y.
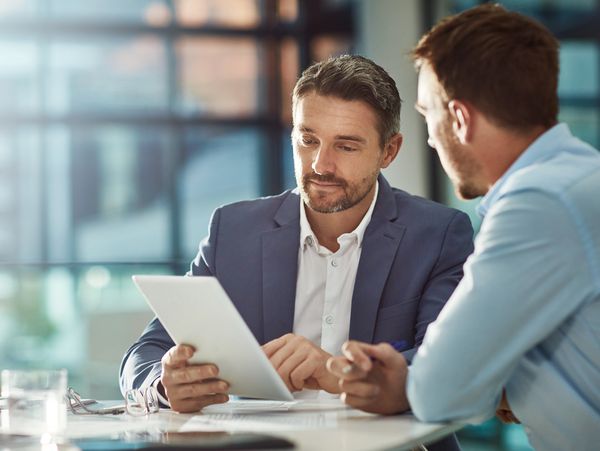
{"type": "Point", "coordinates": [346, 148]}
{"type": "Point", "coordinates": [307, 140]}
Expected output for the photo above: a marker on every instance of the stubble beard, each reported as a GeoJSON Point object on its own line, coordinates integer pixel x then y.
{"type": "Point", "coordinates": [465, 169]}
{"type": "Point", "coordinates": [352, 194]}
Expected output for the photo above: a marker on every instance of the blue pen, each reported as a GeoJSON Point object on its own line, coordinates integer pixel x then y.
{"type": "Point", "coordinates": [399, 345]}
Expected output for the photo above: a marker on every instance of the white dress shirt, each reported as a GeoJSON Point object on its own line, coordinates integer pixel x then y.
{"type": "Point", "coordinates": [325, 284]}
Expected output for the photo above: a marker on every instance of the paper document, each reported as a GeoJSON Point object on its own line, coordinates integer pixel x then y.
{"type": "Point", "coordinates": [275, 421]}
{"type": "Point", "coordinates": [256, 415]}
{"type": "Point", "coordinates": [259, 405]}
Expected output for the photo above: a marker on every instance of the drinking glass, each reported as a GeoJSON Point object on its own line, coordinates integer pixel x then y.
{"type": "Point", "coordinates": [34, 403]}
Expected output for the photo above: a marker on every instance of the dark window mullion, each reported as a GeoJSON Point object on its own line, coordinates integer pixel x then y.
{"type": "Point", "coordinates": [77, 29]}
{"type": "Point", "coordinates": [43, 38]}
{"type": "Point", "coordinates": [271, 167]}
{"type": "Point", "coordinates": [176, 143]}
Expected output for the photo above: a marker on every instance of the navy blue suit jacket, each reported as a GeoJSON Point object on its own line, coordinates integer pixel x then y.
{"type": "Point", "coordinates": [412, 256]}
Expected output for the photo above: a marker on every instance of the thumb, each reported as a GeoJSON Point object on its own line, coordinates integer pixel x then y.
{"type": "Point", "coordinates": [357, 353]}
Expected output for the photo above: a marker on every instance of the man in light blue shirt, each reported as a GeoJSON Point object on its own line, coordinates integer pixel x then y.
{"type": "Point", "coordinates": [520, 336]}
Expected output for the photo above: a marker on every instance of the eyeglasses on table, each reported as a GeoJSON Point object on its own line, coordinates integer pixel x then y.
{"type": "Point", "coordinates": [138, 402]}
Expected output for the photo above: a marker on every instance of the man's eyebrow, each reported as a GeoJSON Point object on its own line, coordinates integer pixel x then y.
{"type": "Point", "coordinates": [355, 138]}
{"type": "Point", "coordinates": [358, 139]}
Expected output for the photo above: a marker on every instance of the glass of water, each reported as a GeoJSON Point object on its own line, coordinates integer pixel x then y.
{"type": "Point", "coordinates": [34, 403]}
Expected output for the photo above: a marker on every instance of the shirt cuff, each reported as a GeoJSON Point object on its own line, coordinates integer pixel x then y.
{"type": "Point", "coordinates": [161, 398]}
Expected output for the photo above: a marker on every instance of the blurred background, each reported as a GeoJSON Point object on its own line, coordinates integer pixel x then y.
{"type": "Point", "coordinates": [123, 124]}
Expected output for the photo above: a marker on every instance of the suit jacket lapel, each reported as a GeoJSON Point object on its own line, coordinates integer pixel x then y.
{"type": "Point", "coordinates": [280, 269]}
{"type": "Point", "coordinates": [379, 247]}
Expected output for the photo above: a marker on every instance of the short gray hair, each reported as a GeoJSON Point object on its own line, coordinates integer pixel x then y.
{"type": "Point", "coordinates": [354, 77]}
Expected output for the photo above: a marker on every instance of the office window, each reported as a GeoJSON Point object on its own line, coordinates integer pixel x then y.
{"type": "Point", "coordinates": [579, 76]}
{"type": "Point", "coordinates": [579, 88]}
{"type": "Point", "coordinates": [221, 76]}
{"type": "Point", "coordinates": [209, 178]}
{"type": "Point", "coordinates": [20, 193]}
{"type": "Point", "coordinates": [107, 74]}
{"type": "Point", "coordinates": [123, 125]}
{"type": "Point", "coordinates": [229, 13]}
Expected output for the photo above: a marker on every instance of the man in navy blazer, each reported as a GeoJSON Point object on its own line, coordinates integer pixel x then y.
{"type": "Point", "coordinates": [342, 256]}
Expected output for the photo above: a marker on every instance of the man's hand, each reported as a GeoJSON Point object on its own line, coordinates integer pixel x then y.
{"type": "Point", "coordinates": [504, 412]}
{"type": "Point", "coordinates": [189, 388]}
{"type": "Point", "coordinates": [371, 377]}
{"type": "Point", "coordinates": [300, 363]}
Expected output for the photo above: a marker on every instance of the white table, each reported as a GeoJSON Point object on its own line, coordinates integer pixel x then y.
{"type": "Point", "coordinates": [311, 425]}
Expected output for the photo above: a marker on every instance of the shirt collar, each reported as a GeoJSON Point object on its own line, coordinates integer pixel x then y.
{"type": "Point", "coordinates": [358, 233]}
{"type": "Point", "coordinates": [541, 149]}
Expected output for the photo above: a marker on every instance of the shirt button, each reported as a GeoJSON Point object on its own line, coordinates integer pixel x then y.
{"type": "Point", "coordinates": [309, 240]}
{"type": "Point", "coordinates": [334, 263]}
{"type": "Point", "coordinates": [329, 319]}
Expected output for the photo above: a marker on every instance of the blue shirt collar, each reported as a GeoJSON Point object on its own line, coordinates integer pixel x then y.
{"type": "Point", "coordinates": [544, 147]}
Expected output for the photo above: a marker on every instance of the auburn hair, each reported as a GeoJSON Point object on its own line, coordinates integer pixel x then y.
{"type": "Point", "coordinates": [504, 63]}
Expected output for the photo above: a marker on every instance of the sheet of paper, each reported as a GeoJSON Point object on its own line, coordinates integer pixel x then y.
{"type": "Point", "coordinates": [257, 405]}
{"type": "Point", "coordinates": [254, 415]}
{"type": "Point", "coordinates": [275, 421]}
{"type": "Point", "coordinates": [249, 405]}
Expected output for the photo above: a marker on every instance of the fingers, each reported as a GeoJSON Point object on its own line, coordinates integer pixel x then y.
{"type": "Point", "coordinates": [360, 389]}
{"type": "Point", "coordinates": [302, 371]}
{"type": "Point", "coordinates": [188, 387]}
{"type": "Point", "coordinates": [298, 360]}
{"type": "Point", "coordinates": [288, 357]}
{"type": "Point", "coordinates": [382, 352]}
{"type": "Point", "coordinates": [198, 390]}
{"type": "Point", "coordinates": [359, 394]}
{"type": "Point", "coordinates": [356, 401]}
{"type": "Point", "coordinates": [177, 356]}
{"type": "Point", "coordinates": [273, 346]}
{"type": "Point", "coordinates": [194, 405]}
{"type": "Point", "coordinates": [189, 374]}
{"type": "Point", "coordinates": [290, 366]}
{"type": "Point", "coordinates": [191, 388]}
{"type": "Point", "coordinates": [344, 369]}
{"type": "Point", "coordinates": [356, 353]}
{"type": "Point", "coordinates": [283, 354]}
{"type": "Point", "coordinates": [380, 392]}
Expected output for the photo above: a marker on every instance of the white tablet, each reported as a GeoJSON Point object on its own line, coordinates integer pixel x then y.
{"type": "Point", "coordinates": [197, 311]}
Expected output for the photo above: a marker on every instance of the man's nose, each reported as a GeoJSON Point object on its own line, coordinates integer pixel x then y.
{"type": "Point", "coordinates": [324, 161]}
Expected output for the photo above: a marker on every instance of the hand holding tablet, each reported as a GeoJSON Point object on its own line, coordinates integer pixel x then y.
{"type": "Point", "coordinates": [190, 387]}
{"type": "Point", "coordinates": [198, 312]}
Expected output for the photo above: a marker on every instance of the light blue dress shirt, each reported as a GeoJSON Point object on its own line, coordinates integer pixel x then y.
{"type": "Point", "coordinates": [526, 315]}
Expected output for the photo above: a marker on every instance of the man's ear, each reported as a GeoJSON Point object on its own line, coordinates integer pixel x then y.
{"type": "Point", "coordinates": [391, 149]}
{"type": "Point", "coordinates": [462, 120]}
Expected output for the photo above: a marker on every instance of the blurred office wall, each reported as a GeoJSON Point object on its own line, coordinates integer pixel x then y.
{"type": "Point", "coordinates": [388, 30]}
